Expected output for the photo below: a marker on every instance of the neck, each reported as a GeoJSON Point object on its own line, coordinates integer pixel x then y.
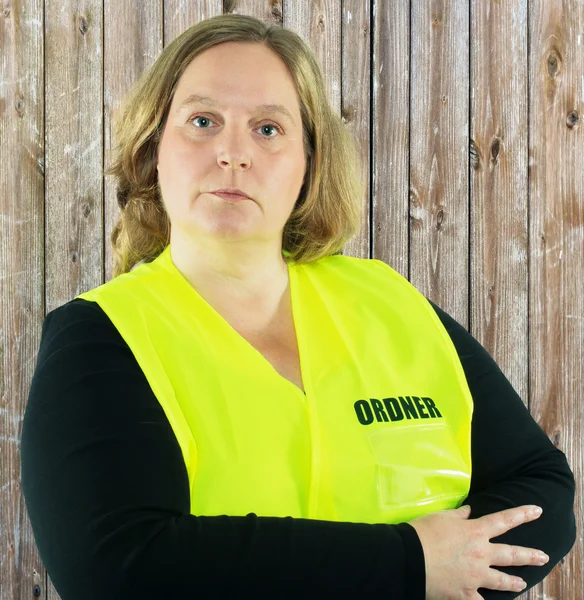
{"type": "Point", "coordinates": [256, 299]}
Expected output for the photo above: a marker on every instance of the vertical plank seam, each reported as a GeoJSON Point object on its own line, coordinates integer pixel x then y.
{"type": "Point", "coordinates": [162, 22]}
{"type": "Point", "coordinates": [44, 284]}
{"type": "Point", "coordinates": [409, 157]}
{"type": "Point", "coordinates": [469, 290]}
{"type": "Point", "coordinates": [528, 353]}
{"type": "Point", "coordinates": [44, 289]}
{"type": "Point", "coordinates": [528, 65]}
{"type": "Point", "coordinates": [372, 153]}
{"type": "Point", "coordinates": [103, 219]}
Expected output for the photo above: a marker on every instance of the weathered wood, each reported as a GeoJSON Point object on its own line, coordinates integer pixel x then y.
{"type": "Point", "coordinates": [22, 167]}
{"type": "Point", "coordinates": [354, 43]}
{"type": "Point", "coordinates": [439, 154]}
{"type": "Point", "coordinates": [390, 122]}
{"type": "Point", "coordinates": [499, 182]}
{"type": "Point", "coordinates": [180, 15]}
{"type": "Point", "coordinates": [132, 43]}
{"type": "Point", "coordinates": [485, 217]}
{"type": "Point", "coordinates": [498, 187]}
{"type": "Point", "coordinates": [74, 153]}
{"type": "Point", "coordinates": [556, 206]}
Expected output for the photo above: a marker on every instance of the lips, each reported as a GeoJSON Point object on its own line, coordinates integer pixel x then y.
{"type": "Point", "coordinates": [232, 197]}
{"type": "Point", "coordinates": [232, 192]}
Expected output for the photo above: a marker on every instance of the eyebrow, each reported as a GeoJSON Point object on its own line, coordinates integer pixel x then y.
{"type": "Point", "coordinates": [264, 108]}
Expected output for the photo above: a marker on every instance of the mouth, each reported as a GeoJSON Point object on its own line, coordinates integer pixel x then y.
{"type": "Point", "coordinates": [231, 197]}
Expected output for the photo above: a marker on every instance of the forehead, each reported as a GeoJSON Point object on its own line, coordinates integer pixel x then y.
{"type": "Point", "coordinates": [249, 76]}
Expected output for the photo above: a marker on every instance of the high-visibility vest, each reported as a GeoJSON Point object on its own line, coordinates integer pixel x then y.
{"type": "Point", "coordinates": [382, 432]}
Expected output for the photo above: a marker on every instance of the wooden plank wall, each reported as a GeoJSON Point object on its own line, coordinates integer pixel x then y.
{"type": "Point", "coordinates": [469, 119]}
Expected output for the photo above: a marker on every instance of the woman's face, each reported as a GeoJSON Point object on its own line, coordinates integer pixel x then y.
{"type": "Point", "coordinates": [232, 144]}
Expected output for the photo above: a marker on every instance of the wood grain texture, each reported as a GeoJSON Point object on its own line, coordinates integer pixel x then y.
{"type": "Point", "coordinates": [74, 154]}
{"type": "Point", "coordinates": [319, 25]}
{"type": "Point", "coordinates": [439, 154]}
{"type": "Point", "coordinates": [390, 114]}
{"type": "Point", "coordinates": [556, 290]}
{"type": "Point", "coordinates": [499, 185]}
{"type": "Point", "coordinates": [139, 26]}
{"type": "Point", "coordinates": [355, 102]}
{"type": "Point", "coordinates": [22, 166]}
{"type": "Point", "coordinates": [469, 119]}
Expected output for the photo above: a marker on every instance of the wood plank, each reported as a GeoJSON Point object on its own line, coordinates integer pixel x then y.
{"type": "Point", "coordinates": [22, 167]}
{"type": "Point", "coordinates": [354, 49]}
{"type": "Point", "coordinates": [319, 25]}
{"type": "Point", "coordinates": [390, 127]}
{"type": "Point", "coordinates": [439, 264]}
{"type": "Point", "coordinates": [502, 306]}
{"type": "Point", "coordinates": [498, 188]}
{"type": "Point", "coordinates": [180, 15]}
{"type": "Point", "coordinates": [74, 146]}
{"type": "Point", "coordinates": [132, 43]}
{"type": "Point", "coordinates": [499, 181]}
{"type": "Point", "coordinates": [556, 299]}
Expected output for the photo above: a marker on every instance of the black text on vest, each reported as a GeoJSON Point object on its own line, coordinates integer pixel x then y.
{"type": "Point", "coordinates": [395, 409]}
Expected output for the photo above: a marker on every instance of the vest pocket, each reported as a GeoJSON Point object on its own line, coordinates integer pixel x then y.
{"type": "Point", "coordinates": [417, 465]}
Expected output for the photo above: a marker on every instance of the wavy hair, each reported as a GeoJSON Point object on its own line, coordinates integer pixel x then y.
{"type": "Point", "coordinates": [327, 212]}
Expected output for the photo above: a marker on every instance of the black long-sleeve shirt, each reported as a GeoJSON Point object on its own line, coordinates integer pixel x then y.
{"type": "Point", "coordinates": [107, 491]}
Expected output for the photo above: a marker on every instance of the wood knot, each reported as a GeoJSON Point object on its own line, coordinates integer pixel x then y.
{"type": "Point", "coordinates": [6, 13]}
{"type": "Point", "coordinates": [439, 217]}
{"type": "Point", "coordinates": [572, 119]}
{"type": "Point", "coordinates": [495, 148]}
{"type": "Point", "coordinates": [83, 27]}
{"type": "Point", "coordinates": [276, 10]}
{"type": "Point", "coordinates": [553, 62]}
{"type": "Point", "coordinates": [19, 105]}
{"type": "Point", "coordinates": [556, 438]}
{"type": "Point", "coordinates": [475, 155]}
{"type": "Point", "coordinates": [228, 6]}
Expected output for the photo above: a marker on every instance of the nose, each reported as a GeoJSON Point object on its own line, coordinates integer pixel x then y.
{"type": "Point", "coordinates": [235, 162]}
{"type": "Point", "coordinates": [233, 152]}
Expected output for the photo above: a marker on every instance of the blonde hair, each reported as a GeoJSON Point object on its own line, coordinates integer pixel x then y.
{"type": "Point", "coordinates": [327, 212]}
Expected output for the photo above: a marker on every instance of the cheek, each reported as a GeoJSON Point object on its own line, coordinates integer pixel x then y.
{"type": "Point", "coordinates": [290, 174]}
{"type": "Point", "coordinates": [175, 148]}
{"type": "Point", "coordinates": [181, 162]}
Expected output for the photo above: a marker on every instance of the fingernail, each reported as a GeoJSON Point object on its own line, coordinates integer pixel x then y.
{"type": "Point", "coordinates": [537, 510]}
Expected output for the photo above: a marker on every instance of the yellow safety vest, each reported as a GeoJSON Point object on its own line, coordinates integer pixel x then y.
{"type": "Point", "coordinates": [382, 434]}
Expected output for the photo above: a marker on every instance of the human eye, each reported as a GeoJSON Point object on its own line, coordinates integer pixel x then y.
{"type": "Point", "coordinates": [271, 125]}
{"type": "Point", "coordinates": [192, 119]}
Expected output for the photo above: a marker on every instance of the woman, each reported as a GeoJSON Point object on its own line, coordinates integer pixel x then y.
{"type": "Point", "coordinates": [238, 365]}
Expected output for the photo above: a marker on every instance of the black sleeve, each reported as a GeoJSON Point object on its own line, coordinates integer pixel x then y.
{"type": "Point", "coordinates": [107, 494]}
{"type": "Point", "coordinates": [513, 463]}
